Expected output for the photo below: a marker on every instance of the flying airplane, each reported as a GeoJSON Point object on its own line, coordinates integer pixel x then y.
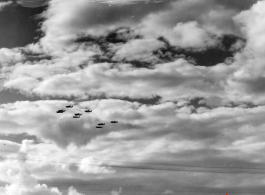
{"type": "Point", "coordinates": [99, 127]}
{"type": "Point", "coordinates": [69, 106]}
{"type": "Point", "coordinates": [114, 121]}
{"type": "Point", "coordinates": [88, 110]}
{"type": "Point", "coordinates": [76, 116]}
{"type": "Point", "coordinates": [61, 111]}
{"type": "Point", "coordinates": [101, 124]}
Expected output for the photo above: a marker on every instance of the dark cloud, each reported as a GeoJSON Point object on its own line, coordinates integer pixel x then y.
{"type": "Point", "coordinates": [237, 4]}
{"type": "Point", "coordinates": [208, 56]}
{"type": "Point", "coordinates": [19, 26]}
{"type": "Point", "coordinates": [202, 57]}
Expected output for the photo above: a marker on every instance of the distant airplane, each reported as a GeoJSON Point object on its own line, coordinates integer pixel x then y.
{"type": "Point", "coordinates": [76, 116]}
{"type": "Point", "coordinates": [60, 111]}
{"type": "Point", "coordinates": [88, 110]}
{"type": "Point", "coordinates": [99, 127]}
{"type": "Point", "coordinates": [101, 124]}
{"type": "Point", "coordinates": [114, 121]}
{"type": "Point", "coordinates": [69, 106]}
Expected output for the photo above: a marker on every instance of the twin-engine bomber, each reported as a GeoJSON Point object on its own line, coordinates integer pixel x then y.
{"type": "Point", "coordinates": [78, 115]}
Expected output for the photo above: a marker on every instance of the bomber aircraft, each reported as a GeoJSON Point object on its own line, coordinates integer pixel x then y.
{"type": "Point", "coordinates": [114, 121]}
{"type": "Point", "coordinates": [61, 111]}
{"type": "Point", "coordinates": [101, 124]}
{"type": "Point", "coordinates": [88, 110]}
{"type": "Point", "coordinates": [69, 106]}
{"type": "Point", "coordinates": [78, 114]}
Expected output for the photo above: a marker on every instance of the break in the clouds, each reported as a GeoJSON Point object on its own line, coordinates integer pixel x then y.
{"type": "Point", "coordinates": [184, 80]}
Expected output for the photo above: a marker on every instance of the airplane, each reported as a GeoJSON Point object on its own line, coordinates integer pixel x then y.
{"type": "Point", "coordinates": [76, 116]}
{"type": "Point", "coordinates": [114, 121]}
{"type": "Point", "coordinates": [61, 111]}
{"type": "Point", "coordinates": [69, 106]}
{"type": "Point", "coordinates": [101, 124]}
{"type": "Point", "coordinates": [88, 110]}
{"type": "Point", "coordinates": [99, 127]}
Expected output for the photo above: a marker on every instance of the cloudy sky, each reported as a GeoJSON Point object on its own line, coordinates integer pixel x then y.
{"type": "Point", "coordinates": [185, 79]}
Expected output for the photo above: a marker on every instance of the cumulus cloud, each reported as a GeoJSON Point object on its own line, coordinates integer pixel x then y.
{"type": "Point", "coordinates": [24, 183]}
{"type": "Point", "coordinates": [61, 26]}
{"type": "Point", "coordinates": [73, 191]}
{"type": "Point", "coordinates": [10, 56]}
{"type": "Point", "coordinates": [89, 165]}
{"type": "Point", "coordinates": [180, 75]}
{"type": "Point", "coordinates": [137, 49]}
{"type": "Point", "coordinates": [143, 132]}
{"type": "Point", "coordinates": [116, 192]}
{"type": "Point", "coordinates": [247, 80]}
{"type": "Point", "coordinates": [190, 35]}
{"type": "Point", "coordinates": [208, 115]}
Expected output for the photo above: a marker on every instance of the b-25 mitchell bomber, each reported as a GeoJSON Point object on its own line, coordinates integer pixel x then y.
{"type": "Point", "coordinates": [61, 111]}
{"type": "Point", "coordinates": [88, 110]}
{"type": "Point", "coordinates": [78, 114]}
{"type": "Point", "coordinates": [69, 106]}
{"type": "Point", "coordinates": [114, 121]}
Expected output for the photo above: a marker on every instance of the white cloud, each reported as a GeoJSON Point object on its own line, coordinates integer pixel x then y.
{"type": "Point", "coordinates": [24, 183]}
{"type": "Point", "coordinates": [116, 192]}
{"type": "Point", "coordinates": [89, 165]}
{"type": "Point", "coordinates": [180, 75]}
{"type": "Point", "coordinates": [247, 81]}
{"type": "Point", "coordinates": [73, 191]}
{"type": "Point", "coordinates": [137, 49]}
{"type": "Point", "coordinates": [10, 56]}
{"type": "Point", "coordinates": [4, 4]}
{"type": "Point", "coordinates": [190, 35]}
{"type": "Point", "coordinates": [174, 130]}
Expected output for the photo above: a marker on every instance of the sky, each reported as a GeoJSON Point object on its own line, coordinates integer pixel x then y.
{"type": "Point", "coordinates": [183, 78]}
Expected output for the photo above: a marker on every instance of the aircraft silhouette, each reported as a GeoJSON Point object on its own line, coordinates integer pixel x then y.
{"type": "Point", "coordinates": [78, 114]}
{"type": "Point", "coordinates": [61, 111]}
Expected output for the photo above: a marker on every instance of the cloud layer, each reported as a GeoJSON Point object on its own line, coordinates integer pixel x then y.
{"type": "Point", "coordinates": [116, 58]}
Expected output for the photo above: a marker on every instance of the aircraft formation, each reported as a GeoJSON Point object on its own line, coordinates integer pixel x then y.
{"type": "Point", "coordinates": [78, 115]}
